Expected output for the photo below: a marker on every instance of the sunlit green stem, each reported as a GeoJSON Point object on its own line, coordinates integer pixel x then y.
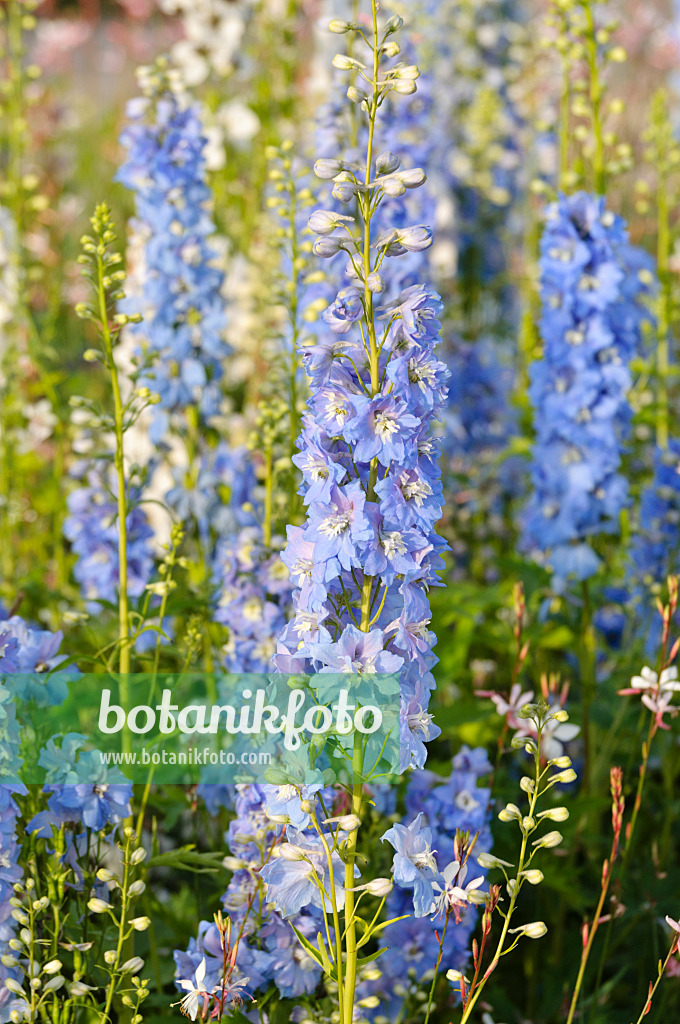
{"type": "Point", "coordinates": [121, 496]}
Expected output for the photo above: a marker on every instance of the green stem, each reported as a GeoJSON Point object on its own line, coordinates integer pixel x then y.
{"type": "Point", "coordinates": [119, 463]}
{"type": "Point", "coordinates": [595, 95]}
{"type": "Point", "coordinates": [587, 663]}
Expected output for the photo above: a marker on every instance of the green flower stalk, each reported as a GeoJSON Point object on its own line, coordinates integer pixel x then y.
{"type": "Point", "coordinates": [535, 787]}
{"type": "Point", "coordinates": [101, 265]}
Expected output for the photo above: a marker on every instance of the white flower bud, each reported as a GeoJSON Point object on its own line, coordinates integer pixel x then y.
{"type": "Point", "coordinates": [555, 814]}
{"type": "Point", "coordinates": [568, 775]}
{"type": "Point", "coordinates": [137, 888]}
{"type": "Point", "coordinates": [138, 856]}
{"type": "Point", "coordinates": [393, 187]}
{"type": "Point", "coordinates": [79, 988]}
{"type": "Point", "coordinates": [104, 875]}
{"type": "Point", "coordinates": [379, 886]}
{"type": "Point", "coordinates": [375, 282]}
{"type": "Point", "coordinates": [526, 784]}
{"type": "Point", "coordinates": [489, 860]}
{"type": "Point", "coordinates": [291, 852]}
{"type": "Point", "coordinates": [391, 49]}
{"type": "Point", "coordinates": [404, 87]}
{"type": "Point", "coordinates": [510, 812]}
{"type": "Point", "coordinates": [326, 169]}
{"type": "Point", "coordinates": [549, 840]}
{"type": "Point", "coordinates": [54, 984]}
{"type": "Point", "coordinates": [345, 822]}
{"type": "Point", "coordinates": [561, 762]}
{"type": "Point", "coordinates": [339, 27]}
{"type": "Point", "coordinates": [413, 178]}
{"type": "Point", "coordinates": [356, 95]}
{"type": "Point", "coordinates": [132, 966]}
{"type": "Point", "coordinates": [387, 163]}
{"type": "Point", "coordinates": [52, 967]}
{"type": "Point", "coordinates": [14, 987]}
{"type": "Point", "coordinates": [140, 924]}
{"type": "Point", "coordinates": [234, 863]}
{"type": "Point", "coordinates": [408, 72]}
{"type": "Point", "coordinates": [97, 906]}
{"type": "Point", "coordinates": [533, 876]}
{"type": "Point", "coordinates": [343, 62]}
{"type": "Point", "coordinates": [110, 957]}
{"type": "Point", "coordinates": [535, 930]}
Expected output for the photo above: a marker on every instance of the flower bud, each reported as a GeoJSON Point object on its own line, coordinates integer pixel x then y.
{"type": "Point", "coordinates": [54, 984]}
{"type": "Point", "coordinates": [110, 957]}
{"type": "Point", "coordinates": [343, 62]}
{"type": "Point", "coordinates": [327, 169]}
{"type": "Point", "coordinates": [533, 876]}
{"type": "Point", "coordinates": [393, 187]}
{"type": "Point", "coordinates": [346, 822]}
{"type": "Point", "coordinates": [510, 812]}
{"type": "Point", "coordinates": [413, 178]}
{"type": "Point", "coordinates": [324, 222]}
{"type": "Point", "coordinates": [555, 814]}
{"type": "Point", "coordinates": [97, 906]}
{"type": "Point", "coordinates": [234, 863]}
{"type": "Point", "coordinates": [14, 987]}
{"type": "Point", "coordinates": [52, 967]}
{"type": "Point", "coordinates": [138, 856]}
{"type": "Point", "coordinates": [327, 247]}
{"type": "Point", "coordinates": [404, 87]}
{"type": "Point", "coordinates": [568, 775]}
{"type": "Point", "coordinates": [375, 282]}
{"type": "Point", "coordinates": [339, 27]}
{"type": "Point", "coordinates": [561, 762]}
{"type": "Point", "coordinates": [140, 924]}
{"type": "Point", "coordinates": [137, 888]}
{"type": "Point", "coordinates": [526, 784]}
{"type": "Point", "coordinates": [104, 875]}
{"type": "Point", "coordinates": [560, 716]}
{"type": "Point", "coordinates": [356, 95]}
{"type": "Point", "coordinates": [549, 840]}
{"type": "Point", "coordinates": [379, 886]}
{"type": "Point", "coordinates": [291, 852]}
{"type": "Point", "coordinates": [416, 238]}
{"type": "Point", "coordinates": [489, 860]}
{"type": "Point", "coordinates": [535, 930]}
{"type": "Point", "coordinates": [132, 966]}
{"type": "Point", "coordinates": [394, 24]}
{"type": "Point", "coordinates": [387, 163]}
{"type": "Point", "coordinates": [391, 49]}
{"type": "Point", "coordinates": [79, 988]}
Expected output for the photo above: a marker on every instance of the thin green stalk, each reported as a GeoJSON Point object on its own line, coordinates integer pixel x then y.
{"type": "Point", "coordinates": [595, 92]}
{"type": "Point", "coordinates": [587, 663]}
{"type": "Point", "coordinates": [119, 464]}
{"type": "Point", "coordinates": [663, 313]}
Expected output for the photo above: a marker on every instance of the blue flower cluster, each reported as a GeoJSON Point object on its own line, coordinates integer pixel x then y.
{"type": "Point", "coordinates": [269, 950]}
{"type": "Point", "coordinates": [253, 599]}
{"type": "Point", "coordinates": [10, 872]}
{"type": "Point", "coordinates": [368, 551]}
{"type": "Point", "coordinates": [593, 284]}
{"type": "Point", "coordinates": [181, 338]}
{"type": "Point", "coordinates": [92, 529]}
{"type": "Point", "coordinates": [439, 807]}
{"type": "Point", "coordinates": [655, 548]}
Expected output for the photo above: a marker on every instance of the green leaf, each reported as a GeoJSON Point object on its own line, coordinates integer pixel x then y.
{"type": "Point", "coordinates": [325, 959]}
{"type": "Point", "coordinates": [187, 858]}
{"type": "Point", "coordinates": [372, 956]}
{"type": "Point", "coordinates": [309, 946]}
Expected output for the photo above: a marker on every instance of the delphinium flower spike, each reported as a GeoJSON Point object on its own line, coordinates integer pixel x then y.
{"type": "Point", "coordinates": [368, 551]}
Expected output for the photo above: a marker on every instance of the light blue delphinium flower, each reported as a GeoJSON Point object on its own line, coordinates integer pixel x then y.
{"type": "Point", "coordinates": [593, 284]}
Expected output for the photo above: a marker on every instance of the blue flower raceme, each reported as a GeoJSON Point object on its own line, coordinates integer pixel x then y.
{"type": "Point", "coordinates": [437, 809]}
{"type": "Point", "coordinates": [181, 338]}
{"type": "Point", "coordinates": [368, 552]}
{"type": "Point", "coordinates": [92, 529]}
{"type": "Point", "coordinates": [654, 553]}
{"type": "Point", "coordinates": [593, 284]}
